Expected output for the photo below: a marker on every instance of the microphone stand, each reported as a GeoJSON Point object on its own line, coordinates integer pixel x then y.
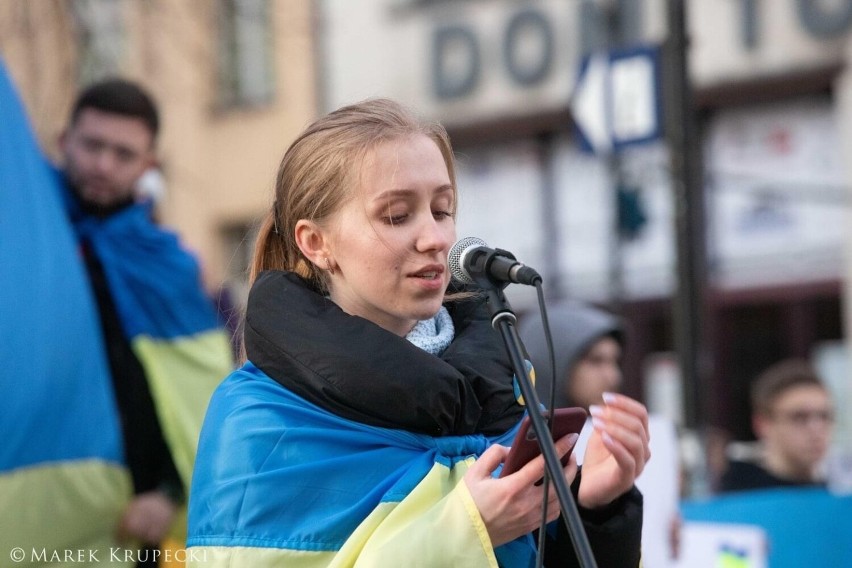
{"type": "Point", "coordinates": [503, 320]}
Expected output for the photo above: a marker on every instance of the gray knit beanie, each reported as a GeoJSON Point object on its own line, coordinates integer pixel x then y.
{"type": "Point", "coordinates": [575, 328]}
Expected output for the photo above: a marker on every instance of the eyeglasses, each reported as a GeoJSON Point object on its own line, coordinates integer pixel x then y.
{"type": "Point", "coordinates": [804, 417]}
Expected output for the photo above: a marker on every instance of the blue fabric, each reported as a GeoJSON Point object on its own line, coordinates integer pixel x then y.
{"type": "Point", "coordinates": [435, 334]}
{"type": "Point", "coordinates": [261, 440]}
{"type": "Point", "coordinates": [57, 400]}
{"type": "Point", "coordinates": [154, 283]}
{"type": "Point", "coordinates": [805, 527]}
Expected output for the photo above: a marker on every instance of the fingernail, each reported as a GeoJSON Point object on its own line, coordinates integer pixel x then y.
{"type": "Point", "coordinates": [607, 438]}
{"type": "Point", "coordinates": [609, 397]}
{"type": "Point", "coordinates": [598, 423]}
{"type": "Point", "coordinates": [572, 438]}
{"type": "Point", "coordinates": [596, 410]}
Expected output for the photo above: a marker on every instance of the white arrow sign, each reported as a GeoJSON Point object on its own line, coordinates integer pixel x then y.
{"type": "Point", "coordinates": [589, 104]}
{"type": "Point", "coordinates": [616, 100]}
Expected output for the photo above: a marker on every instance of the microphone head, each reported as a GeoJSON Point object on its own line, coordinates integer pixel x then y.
{"type": "Point", "coordinates": [455, 259]}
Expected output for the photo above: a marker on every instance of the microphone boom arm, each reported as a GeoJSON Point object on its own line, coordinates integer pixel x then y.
{"type": "Point", "coordinates": [503, 320]}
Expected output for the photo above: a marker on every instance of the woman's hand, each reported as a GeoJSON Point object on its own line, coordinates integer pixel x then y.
{"type": "Point", "coordinates": [617, 451]}
{"type": "Point", "coordinates": [511, 506]}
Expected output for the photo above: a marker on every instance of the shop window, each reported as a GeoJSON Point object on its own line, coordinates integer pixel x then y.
{"type": "Point", "coordinates": [245, 76]}
{"type": "Point", "coordinates": [102, 38]}
{"type": "Point", "coordinates": [238, 246]}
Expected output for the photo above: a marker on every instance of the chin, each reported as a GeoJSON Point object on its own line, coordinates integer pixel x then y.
{"type": "Point", "coordinates": [425, 312]}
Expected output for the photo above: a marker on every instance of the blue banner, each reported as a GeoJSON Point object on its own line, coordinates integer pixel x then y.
{"type": "Point", "coordinates": [804, 527]}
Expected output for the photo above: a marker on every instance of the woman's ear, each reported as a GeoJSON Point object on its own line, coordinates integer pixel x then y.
{"type": "Point", "coordinates": [313, 242]}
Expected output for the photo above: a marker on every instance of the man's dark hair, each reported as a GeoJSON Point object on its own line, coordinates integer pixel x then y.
{"type": "Point", "coordinates": [118, 96]}
{"type": "Point", "coordinates": [777, 379]}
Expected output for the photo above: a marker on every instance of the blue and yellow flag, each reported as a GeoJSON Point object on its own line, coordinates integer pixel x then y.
{"type": "Point", "coordinates": [282, 482]}
{"type": "Point", "coordinates": [63, 480]}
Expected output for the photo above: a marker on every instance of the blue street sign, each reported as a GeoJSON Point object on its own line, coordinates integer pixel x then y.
{"type": "Point", "coordinates": [616, 102]}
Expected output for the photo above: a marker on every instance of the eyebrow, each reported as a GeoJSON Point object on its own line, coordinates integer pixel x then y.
{"type": "Point", "coordinates": [115, 146]}
{"type": "Point", "coordinates": [405, 192]}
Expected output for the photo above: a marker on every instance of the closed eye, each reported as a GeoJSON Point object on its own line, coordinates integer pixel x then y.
{"type": "Point", "coordinates": [395, 219]}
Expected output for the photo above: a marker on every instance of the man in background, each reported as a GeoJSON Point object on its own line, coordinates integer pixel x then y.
{"type": "Point", "coordinates": [792, 418]}
{"type": "Point", "coordinates": [107, 146]}
{"type": "Point", "coordinates": [145, 284]}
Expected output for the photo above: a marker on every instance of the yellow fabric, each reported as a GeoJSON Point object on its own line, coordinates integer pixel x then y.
{"type": "Point", "coordinates": [182, 374]}
{"type": "Point", "coordinates": [249, 557]}
{"type": "Point", "coordinates": [62, 508]}
{"type": "Point", "coordinates": [435, 522]}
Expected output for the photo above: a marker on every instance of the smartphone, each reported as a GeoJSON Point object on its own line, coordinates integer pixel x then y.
{"type": "Point", "coordinates": [525, 445]}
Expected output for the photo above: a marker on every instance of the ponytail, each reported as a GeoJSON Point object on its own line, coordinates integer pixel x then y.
{"type": "Point", "coordinates": [269, 251]}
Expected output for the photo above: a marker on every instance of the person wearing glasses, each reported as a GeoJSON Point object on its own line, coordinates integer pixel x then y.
{"type": "Point", "coordinates": [792, 418]}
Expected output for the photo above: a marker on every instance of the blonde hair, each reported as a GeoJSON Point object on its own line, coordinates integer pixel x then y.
{"type": "Point", "coordinates": [319, 173]}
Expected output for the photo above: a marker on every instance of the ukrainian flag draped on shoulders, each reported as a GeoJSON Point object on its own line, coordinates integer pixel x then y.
{"type": "Point", "coordinates": [306, 488]}
{"type": "Point", "coordinates": [169, 320]}
{"type": "Point", "coordinates": [63, 478]}
{"type": "Point", "coordinates": [341, 444]}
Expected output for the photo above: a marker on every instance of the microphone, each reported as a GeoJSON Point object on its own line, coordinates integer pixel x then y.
{"type": "Point", "coordinates": [471, 261]}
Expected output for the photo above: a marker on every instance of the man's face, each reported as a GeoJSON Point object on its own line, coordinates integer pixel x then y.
{"type": "Point", "coordinates": [105, 153]}
{"type": "Point", "coordinates": [797, 430]}
{"type": "Point", "coordinates": [597, 372]}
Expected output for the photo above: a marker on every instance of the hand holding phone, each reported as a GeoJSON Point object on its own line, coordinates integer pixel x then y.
{"type": "Point", "coordinates": [525, 445]}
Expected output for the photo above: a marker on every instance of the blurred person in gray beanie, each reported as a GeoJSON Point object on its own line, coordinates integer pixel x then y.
{"type": "Point", "coordinates": [587, 347]}
{"type": "Point", "coordinates": [588, 344]}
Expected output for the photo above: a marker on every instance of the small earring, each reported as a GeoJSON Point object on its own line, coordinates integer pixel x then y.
{"type": "Point", "coordinates": [328, 266]}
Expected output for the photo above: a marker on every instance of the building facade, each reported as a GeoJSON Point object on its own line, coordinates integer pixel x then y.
{"type": "Point", "coordinates": [235, 81]}
{"type": "Point", "coordinates": [772, 98]}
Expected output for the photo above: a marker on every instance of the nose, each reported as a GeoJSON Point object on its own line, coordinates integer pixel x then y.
{"type": "Point", "coordinates": [435, 235]}
{"type": "Point", "coordinates": [613, 375]}
{"type": "Point", "coordinates": [105, 161]}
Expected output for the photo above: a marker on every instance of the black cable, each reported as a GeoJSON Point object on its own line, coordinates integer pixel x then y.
{"type": "Point", "coordinates": [542, 308]}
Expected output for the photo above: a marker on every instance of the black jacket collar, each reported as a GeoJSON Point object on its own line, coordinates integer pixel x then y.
{"type": "Point", "coordinates": [354, 368]}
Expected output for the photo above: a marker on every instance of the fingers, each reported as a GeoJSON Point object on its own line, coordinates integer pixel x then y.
{"type": "Point", "coordinates": [570, 470]}
{"type": "Point", "coordinates": [509, 506]}
{"type": "Point", "coordinates": [553, 508]}
{"type": "Point", "coordinates": [623, 424]}
{"type": "Point", "coordinates": [534, 470]}
{"type": "Point", "coordinates": [488, 461]}
{"type": "Point", "coordinates": [627, 405]}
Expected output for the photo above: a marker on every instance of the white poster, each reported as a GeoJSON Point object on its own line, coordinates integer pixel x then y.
{"type": "Point", "coordinates": [776, 196]}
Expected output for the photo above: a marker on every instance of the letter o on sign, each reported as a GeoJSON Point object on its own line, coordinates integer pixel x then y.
{"type": "Point", "coordinates": [455, 61]}
{"type": "Point", "coordinates": [526, 27]}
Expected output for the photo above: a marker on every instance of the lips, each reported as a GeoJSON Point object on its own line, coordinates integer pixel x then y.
{"type": "Point", "coordinates": [430, 272]}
